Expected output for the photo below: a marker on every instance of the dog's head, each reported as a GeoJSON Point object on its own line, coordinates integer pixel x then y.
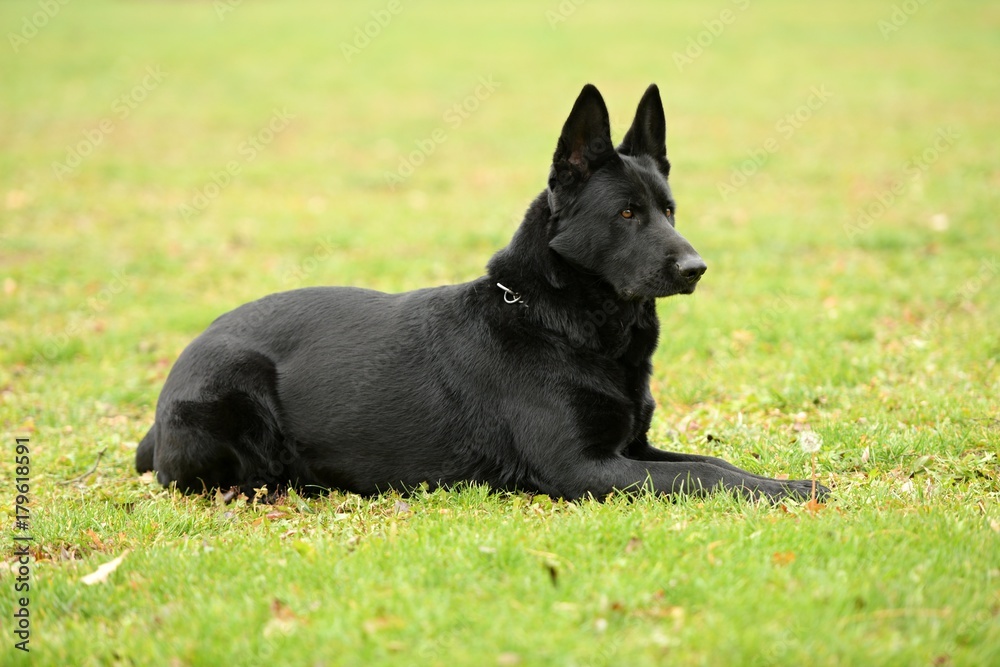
{"type": "Point", "coordinates": [613, 212]}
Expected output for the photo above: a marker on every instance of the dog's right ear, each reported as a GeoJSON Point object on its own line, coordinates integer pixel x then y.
{"type": "Point", "coordinates": [585, 142]}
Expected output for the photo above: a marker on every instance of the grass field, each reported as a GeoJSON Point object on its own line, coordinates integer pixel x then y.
{"type": "Point", "coordinates": [835, 164]}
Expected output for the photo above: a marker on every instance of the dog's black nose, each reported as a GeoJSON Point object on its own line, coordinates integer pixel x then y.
{"type": "Point", "coordinates": [691, 268]}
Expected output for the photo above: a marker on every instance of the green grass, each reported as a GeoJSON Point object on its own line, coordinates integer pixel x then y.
{"type": "Point", "coordinates": [884, 342]}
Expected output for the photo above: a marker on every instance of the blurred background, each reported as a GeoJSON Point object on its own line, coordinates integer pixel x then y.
{"type": "Point", "coordinates": [162, 162]}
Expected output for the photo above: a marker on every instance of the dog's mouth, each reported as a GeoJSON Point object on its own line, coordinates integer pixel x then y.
{"type": "Point", "coordinates": [666, 282]}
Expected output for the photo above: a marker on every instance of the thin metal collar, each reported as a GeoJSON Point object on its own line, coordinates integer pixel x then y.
{"type": "Point", "coordinates": [512, 297]}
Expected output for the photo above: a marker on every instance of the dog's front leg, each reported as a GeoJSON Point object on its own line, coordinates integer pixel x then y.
{"type": "Point", "coordinates": [600, 477]}
{"type": "Point", "coordinates": [643, 451]}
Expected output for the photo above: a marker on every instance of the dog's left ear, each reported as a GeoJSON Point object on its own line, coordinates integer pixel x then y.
{"type": "Point", "coordinates": [648, 134]}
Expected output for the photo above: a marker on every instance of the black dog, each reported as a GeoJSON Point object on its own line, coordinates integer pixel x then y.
{"type": "Point", "coordinates": [535, 377]}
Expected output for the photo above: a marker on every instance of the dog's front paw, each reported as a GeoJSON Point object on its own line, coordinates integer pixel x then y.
{"type": "Point", "coordinates": [802, 489]}
{"type": "Point", "coordinates": [777, 490]}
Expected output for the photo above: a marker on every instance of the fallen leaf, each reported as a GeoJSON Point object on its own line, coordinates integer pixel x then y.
{"type": "Point", "coordinates": [379, 623]}
{"type": "Point", "coordinates": [781, 558]}
{"type": "Point", "coordinates": [95, 538]}
{"type": "Point", "coordinates": [657, 611]}
{"type": "Point", "coordinates": [711, 547]}
{"type": "Point", "coordinates": [101, 574]}
{"type": "Point", "coordinates": [814, 506]}
{"type": "Point", "coordinates": [275, 515]}
{"type": "Point", "coordinates": [553, 572]}
{"type": "Point", "coordinates": [16, 199]}
{"type": "Point", "coordinates": [742, 336]}
{"type": "Point", "coordinates": [402, 507]}
{"type": "Point", "coordinates": [632, 545]}
{"type": "Point", "coordinates": [281, 610]}
{"type": "Point", "coordinates": [283, 620]}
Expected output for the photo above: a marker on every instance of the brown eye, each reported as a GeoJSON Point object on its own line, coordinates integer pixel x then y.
{"type": "Point", "coordinates": [670, 213]}
{"type": "Point", "coordinates": [627, 214]}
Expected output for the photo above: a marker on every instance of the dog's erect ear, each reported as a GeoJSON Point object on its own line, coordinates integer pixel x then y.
{"type": "Point", "coordinates": [648, 134]}
{"type": "Point", "coordinates": [585, 142]}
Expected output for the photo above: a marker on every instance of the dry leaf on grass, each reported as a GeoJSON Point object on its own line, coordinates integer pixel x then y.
{"type": "Point", "coordinates": [814, 506]}
{"type": "Point", "coordinates": [386, 622]}
{"type": "Point", "coordinates": [783, 557]}
{"type": "Point", "coordinates": [101, 574]}
{"type": "Point", "coordinates": [712, 560]}
{"type": "Point", "coordinates": [95, 538]}
{"type": "Point", "coordinates": [283, 620]}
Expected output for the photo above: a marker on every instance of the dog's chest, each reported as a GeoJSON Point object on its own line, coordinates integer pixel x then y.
{"type": "Point", "coordinates": [611, 406]}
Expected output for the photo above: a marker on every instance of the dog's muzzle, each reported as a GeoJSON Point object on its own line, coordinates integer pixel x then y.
{"type": "Point", "coordinates": [691, 268]}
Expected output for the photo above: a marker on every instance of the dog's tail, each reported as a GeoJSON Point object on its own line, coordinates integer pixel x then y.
{"type": "Point", "coordinates": [144, 453]}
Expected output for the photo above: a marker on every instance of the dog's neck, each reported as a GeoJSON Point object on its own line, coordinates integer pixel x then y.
{"type": "Point", "coordinates": [583, 308]}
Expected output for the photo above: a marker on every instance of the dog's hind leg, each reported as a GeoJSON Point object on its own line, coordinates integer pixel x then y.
{"type": "Point", "coordinates": [229, 434]}
{"type": "Point", "coordinates": [144, 453]}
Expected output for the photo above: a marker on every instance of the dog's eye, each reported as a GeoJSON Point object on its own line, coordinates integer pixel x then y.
{"type": "Point", "coordinates": [669, 213]}
{"type": "Point", "coordinates": [627, 214]}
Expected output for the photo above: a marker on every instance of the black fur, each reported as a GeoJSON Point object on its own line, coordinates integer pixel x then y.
{"type": "Point", "coordinates": [541, 385]}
